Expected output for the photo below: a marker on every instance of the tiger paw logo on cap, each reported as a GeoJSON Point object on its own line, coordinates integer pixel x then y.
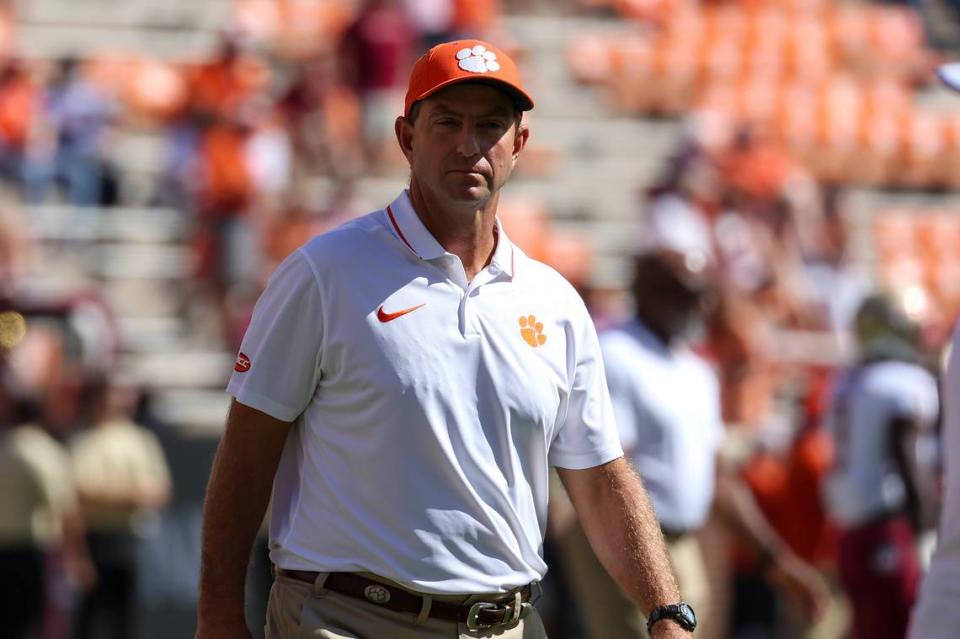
{"type": "Point", "coordinates": [477, 59]}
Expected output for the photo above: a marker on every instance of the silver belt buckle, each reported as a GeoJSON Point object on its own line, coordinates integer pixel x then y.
{"type": "Point", "coordinates": [474, 614]}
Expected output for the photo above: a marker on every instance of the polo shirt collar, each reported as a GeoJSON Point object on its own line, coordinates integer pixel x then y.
{"type": "Point", "coordinates": [409, 229]}
{"type": "Point", "coordinates": [643, 333]}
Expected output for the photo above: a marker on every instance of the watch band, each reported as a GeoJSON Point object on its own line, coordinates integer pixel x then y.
{"type": "Point", "coordinates": [680, 613]}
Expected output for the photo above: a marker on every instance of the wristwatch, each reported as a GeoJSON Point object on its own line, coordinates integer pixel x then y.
{"type": "Point", "coordinates": [680, 613]}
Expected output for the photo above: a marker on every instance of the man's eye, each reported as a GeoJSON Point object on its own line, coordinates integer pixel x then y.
{"type": "Point", "coordinates": [492, 124]}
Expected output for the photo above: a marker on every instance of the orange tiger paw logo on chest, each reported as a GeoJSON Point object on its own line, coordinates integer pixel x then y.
{"type": "Point", "coordinates": [532, 331]}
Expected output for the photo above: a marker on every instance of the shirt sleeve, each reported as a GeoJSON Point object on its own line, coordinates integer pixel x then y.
{"type": "Point", "coordinates": [587, 435]}
{"type": "Point", "coordinates": [278, 367]}
{"type": "Point", "coordinates": [621, 392]}
{"type": "Point", "coordinates": [918, 400]}
{"type": "Point", "coordinates": [718, 432]}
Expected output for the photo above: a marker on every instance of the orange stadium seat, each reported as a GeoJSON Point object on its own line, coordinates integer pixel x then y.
{"type": "Point", "coordinates": [807, 52]}
{"type": "Point", "coordinates": [924, 148]}
{"type": "Point", "coordinates": [633, 69]}
{"type": "Point", "coordinates": [947, 285]}
{"type": "Point", "coordinates": [939, 233]}
{"type": "Point", "coordinates": [309, 26]}
{"type": "Point", "coordinates": [881, 132]}
{"type": "Point", "coordinates": [950, 167]}
{"type": "Point", "coordinates": [590, 58]}
{"type": "Point", "coordinates": [896, 37]}
{"type": "Point", "coordinates": [894, 235]}
{"type": "Point", "coordinates": [257, 19]}
{"type": "Point", "coordinates": [765, 27]}
{"type": "Point", "coordinates": [649, 10]}
{"type": "Point", "coordinates": [687, 22]}
{"type": "Point", "coordinates": [757, 101]}
{"type": "Point", "coordinates": [723, 61]}
{"type": "Point", "coordinates": [806, 7]}
{"type": "Point", "coordinates": [849, 35]}
{"type": "Point", "coordinates": [798, 118]}
{"type": "Point", "coordinates": [8, 33]}
{"type": "Point", "coordinates": [675, 64]}
{"type": "Point", "coordinates": [840, 109]}
{"type": "Point", "coordinates": [724, 22]}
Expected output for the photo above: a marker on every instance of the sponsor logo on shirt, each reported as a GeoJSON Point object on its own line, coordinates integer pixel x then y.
{"type": "Point", "coordinates": [243, 363]}
{"type": "Point", "coordinates": [385, 317]}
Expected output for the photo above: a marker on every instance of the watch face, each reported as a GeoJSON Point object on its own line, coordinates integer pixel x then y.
{"type": "Point", "coordinates": [686, 611]}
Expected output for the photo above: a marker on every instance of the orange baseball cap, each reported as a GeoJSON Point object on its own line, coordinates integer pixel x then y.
{"type": "Point", "coordinates": [465, 61]}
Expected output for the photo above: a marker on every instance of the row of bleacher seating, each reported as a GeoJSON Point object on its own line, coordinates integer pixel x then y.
{"type": "Point", "coordinates": [918, 247]}
{"type": "Point", "coordinates": [729, 41]}
{"type": "Point", "coordinates": [825, 82]}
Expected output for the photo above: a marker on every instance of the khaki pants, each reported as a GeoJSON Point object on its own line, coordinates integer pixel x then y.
{"type": "Point", "coordinates": [298, 610]}
{"type": "Point", "coordinates": [607, 612]}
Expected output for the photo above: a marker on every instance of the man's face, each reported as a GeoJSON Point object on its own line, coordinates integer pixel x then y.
{"type": "Point", "coordinates": [463, 144]}
{"type": "Point", "coordinates": [669, 292]}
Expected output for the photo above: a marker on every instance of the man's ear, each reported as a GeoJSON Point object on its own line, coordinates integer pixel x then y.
{"type": "Point", "coordinates": [404, 130]}
{"type": "Point", "coordinates": [520, 140]}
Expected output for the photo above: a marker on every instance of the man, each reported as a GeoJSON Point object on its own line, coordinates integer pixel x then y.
{"type": "Point", "coordinates": [666, 400]}
{"type": "Point", "coordinates": [121, 474]}
{"type": "Point", "coordinates": [880, 406]}
{"type": "Point", "coordinates": [405, 384]}
{"type": "Point", "coordinates": [937, 615]}
{"type": "Point", "coordinates": [40, 522]}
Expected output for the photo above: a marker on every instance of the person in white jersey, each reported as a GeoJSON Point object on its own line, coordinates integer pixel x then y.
{"type": "Point", "coordinates": [880, 407]}
{"type": "Point", "coordinates": [405, 384]}
{"type": "Point", "coordinates": [937, 613]}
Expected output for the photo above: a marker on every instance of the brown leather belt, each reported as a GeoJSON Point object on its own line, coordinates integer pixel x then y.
{"type": "Point", "coordinates": [481, 614]}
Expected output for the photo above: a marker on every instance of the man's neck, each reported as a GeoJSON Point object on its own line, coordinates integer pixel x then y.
{"type": "Point", "coordinates": [468, 233]}
{"type": "Point", "coordinates": [666, 338]}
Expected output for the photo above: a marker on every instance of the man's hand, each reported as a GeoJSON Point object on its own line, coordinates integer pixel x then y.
{"type": "Point", "coordinates": [801, 583]}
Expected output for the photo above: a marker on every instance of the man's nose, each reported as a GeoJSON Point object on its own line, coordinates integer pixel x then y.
{"type": "Point", "coordinates": [468, 144]}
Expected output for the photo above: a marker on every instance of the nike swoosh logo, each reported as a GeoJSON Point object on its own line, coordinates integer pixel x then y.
{"type": "Point", "coordinates": [385, 317]}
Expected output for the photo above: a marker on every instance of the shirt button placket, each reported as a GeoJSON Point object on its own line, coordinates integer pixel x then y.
{"type": "Point", "coordinates": [468, 319]}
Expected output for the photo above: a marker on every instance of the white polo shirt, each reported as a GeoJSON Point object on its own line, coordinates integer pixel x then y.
{"type": "Point", "coordinates": [428, 409]}
{"type": "Point", "coordinates": [865, 481]}
{"type": "Point", "coordinates": [937, 615]}
{"type": "Point", "coordinates": [667, 406]}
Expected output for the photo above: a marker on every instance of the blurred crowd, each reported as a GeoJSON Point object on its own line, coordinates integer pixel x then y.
{"type": "Point", "coordinates": [297, 90]}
